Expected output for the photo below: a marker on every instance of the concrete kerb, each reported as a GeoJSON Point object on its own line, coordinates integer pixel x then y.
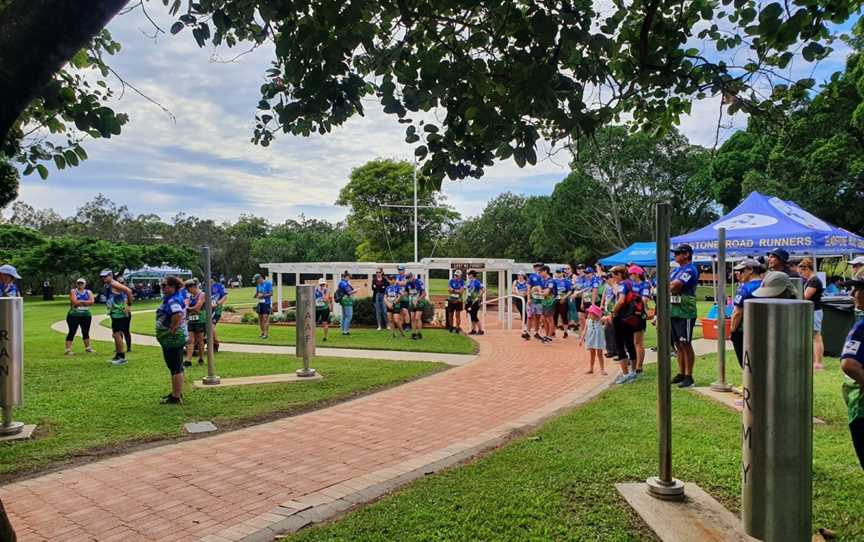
{"type": "Point", "coordinates": [322, 506]}
{"type": "Point", "coordinates": [99, 332]}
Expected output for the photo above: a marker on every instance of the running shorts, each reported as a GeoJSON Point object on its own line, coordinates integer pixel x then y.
{"type": "Point", "coordinates": [682, 330]}
{"type": "Point", "coordinates": [263, 308]}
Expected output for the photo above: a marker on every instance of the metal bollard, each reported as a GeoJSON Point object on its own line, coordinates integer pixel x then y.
{"type": "Point", "coordinates": [11, 361]}
{"type": "Point", "coordinates": [720, 296]}
{"type": "Point", "coordinates": [305, 347]}
{"type": "Point", "coordinates": [212, 379]}
{"type": "Point", "coordinates": [777, 436]}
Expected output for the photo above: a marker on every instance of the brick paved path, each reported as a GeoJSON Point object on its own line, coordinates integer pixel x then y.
{"type": "Point", "coordinates": [250, 483]}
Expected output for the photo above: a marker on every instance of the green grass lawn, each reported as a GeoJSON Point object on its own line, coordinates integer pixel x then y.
{"type": "Point", "coordinates": [434, 340]}
{"type": "Point", "coordinates": [84, 406]}
{"type": "Point", "coordinates": [558, 483]}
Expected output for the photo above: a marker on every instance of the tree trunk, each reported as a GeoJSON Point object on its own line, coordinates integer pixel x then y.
{"type": "Point", "coordinates": [7, 533]}
{"type": "Point", "coordinates": [37, 37]}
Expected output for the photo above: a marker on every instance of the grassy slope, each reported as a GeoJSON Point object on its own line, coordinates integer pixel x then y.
{"type": "Point", "coordinates": [558, 484]}
{"type": "Point", "coordinates": [81, 404]}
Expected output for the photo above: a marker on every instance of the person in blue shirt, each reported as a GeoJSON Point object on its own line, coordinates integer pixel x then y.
{"type": "Point", "coordinates": [8, 275]}
{"type": "Point", "coordinates": [80, 301]}
{"type": "Point", "coordinates": [476, 290]}
{"type": "Point", "coordinates": [417, 294]}
{"type": "Point", "coordinates": [264, 295]}
{"type": "Point", "coordinates": [172, 334]}
{"type": "Point", "coordinates": [323, 305]}
{"type": "Point", "coordinates": [345, 293]}
{"type": "Point", "coordinates": [535, 301]}
{"type": "Point", "coordinates": [563, 291]}
{"type": "Point", "coordinates": [852, 364]}
{"type": "Point", "coordinates": [574, 302]}
{"type": "Point", "coordinates": [548, 291]}
{"type": "Point", "coordinates": [520, 290]}
{"type": "Point", "coordinates": [682, 289]}
{"type": "Point", "coordinates": [748, 273]}
{"type": "Point", "coordinates": [643, 289]}
{"type": "Point", "coordinates": [393, 301]}
{"type": "Point", "coordinates": [218, 297]}
{"type": "Point", "coordinates": [455, 303]}
{"type": "Point", "coordinates": [624, 332]}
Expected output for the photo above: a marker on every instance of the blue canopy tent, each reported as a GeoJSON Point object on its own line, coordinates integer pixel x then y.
{"type": "Point", "coordinates": [761, 223]}
{"type": "Point", "coordinates": [643, 254]}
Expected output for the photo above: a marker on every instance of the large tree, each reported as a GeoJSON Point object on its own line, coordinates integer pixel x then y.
{"type": "Point", "coordinates": [605, 203]}
{"type": "Point", "coordinates": [813, 156]}
{"type": "Point", "coordinates": [499, 73]}
{"type": "Point", "coordinates": [386, 233]}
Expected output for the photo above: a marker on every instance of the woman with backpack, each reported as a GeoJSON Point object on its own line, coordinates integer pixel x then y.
{"type": "Point", "coordinates": [344, 296]}
{"type": "Point", "coordinates": [641, 287]}
{"type": "Point", "coordinates": [625, 320]}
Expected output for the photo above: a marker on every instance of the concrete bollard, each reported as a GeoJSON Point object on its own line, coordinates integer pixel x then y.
{"type": "Point", "coordinates": [777, 436]}
{"type": "Point", "coordinates": [305, 322]}
{"type": "Point", "coordinates": [11, 362]}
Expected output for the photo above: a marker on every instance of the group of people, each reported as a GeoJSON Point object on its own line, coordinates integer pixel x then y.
{"type": "Point", "coordinates": [399, 301]}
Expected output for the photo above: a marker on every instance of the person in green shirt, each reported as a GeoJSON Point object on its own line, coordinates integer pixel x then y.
{"type": "Point", "coordinates": [80, 301]}
{"type": "Point", "coordinates": [118, 301]}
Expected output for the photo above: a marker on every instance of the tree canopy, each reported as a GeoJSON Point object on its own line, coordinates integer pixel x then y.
{"type": "Point", "coordinates": [386, 233]}
{"type": "Point", "coordinates": [498, 75]}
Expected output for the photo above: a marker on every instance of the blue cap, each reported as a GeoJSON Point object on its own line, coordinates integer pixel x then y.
{"type": "Point", "coordinates": [9, 270]}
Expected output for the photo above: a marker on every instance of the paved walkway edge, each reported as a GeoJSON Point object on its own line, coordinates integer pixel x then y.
{"type": "Point", "coordinates": [333, 501]}
{"type": "Point", "coordinates": [98, 332]}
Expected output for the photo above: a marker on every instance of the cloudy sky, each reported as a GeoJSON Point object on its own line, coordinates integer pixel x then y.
{"type": "Point", "coordinates": [204, 164]}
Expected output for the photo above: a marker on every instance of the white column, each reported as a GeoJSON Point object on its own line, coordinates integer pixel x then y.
{"type": "Point", "coordinates": [337, 308]}
{"type": "Point", "coordinates": [279, 293]}
{"type": "Point", "coordinates": [486, 284]}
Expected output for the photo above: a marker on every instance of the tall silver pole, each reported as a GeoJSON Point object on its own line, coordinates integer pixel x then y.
{"type": "Point", "coordinates": [777, 435]}
{"type": "Point", "coordinates": [720, 296]}
{"type": "Point", "coordinates": [211, 379]}
{"type": "Point", "coordinates": [416, 254]}
{"type": "Point", "coordinates": [664, 486]}
{"type": "Point", "coordinates": [305, 343]}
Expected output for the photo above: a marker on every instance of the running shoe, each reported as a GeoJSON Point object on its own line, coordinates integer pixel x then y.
{"type": "Point", "coordinates": [678, 378]}
{"type": "Point", "coordinates": [631, 377]}
{"type": "Point", "coordinates": [68, 352]}
{"type": "Point", "coordinates": [90, 350]}
{"type": "Point", "coordinates": [200, 361]}
{"type": "Point", "coordinates": [170, 400]}
{"type": "Point", "coordinates": [187, 364]}
{"type": "Point", "coordinates": [420, 335]}
{"type": "Point", "coordinates": [526, 336]}
{"type": "Point", "coordinates": [687, 382]}
{"type": "Point", "coordinates": [621, 378]}
{"type": "Point", "coordinates": [472, 332]}
{"type": "Point", "coordinates": [117, 362]}
{"type": "Point", "coordinates": [481, 332]}
{"type": "Point", "coordinates": [537, 336]}
{"type": "Point", "coordinates": [608, 355]}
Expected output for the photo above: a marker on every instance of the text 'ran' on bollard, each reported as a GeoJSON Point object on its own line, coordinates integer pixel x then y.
{"type": "Point", "coordinates": [11, 362]}
{"type": "Point", "coordinates": [305, 328]}
{"type": "Point", "coordinates": [777, 435]}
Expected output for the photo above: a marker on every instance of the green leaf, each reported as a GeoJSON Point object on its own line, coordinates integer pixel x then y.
{"type": "Point", "coordinates": [421, 152]}
{"type": "Point", "coordinates": [59, 161]}
{"type": "Point", "coordinates": [43, 171]}
{"type": "Point", "coordinates": [71, 157]}
{"type": "Point", "coordinates": [177, 27]}
{"type": "Point", "coordinates": [79, 150]}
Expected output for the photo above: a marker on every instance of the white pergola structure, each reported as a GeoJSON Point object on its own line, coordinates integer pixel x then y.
{"type": "Point", "coordinates": [331, 271]}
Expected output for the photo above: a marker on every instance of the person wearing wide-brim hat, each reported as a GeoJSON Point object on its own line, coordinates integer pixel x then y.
{"type": "Point", "coordinates": [776, 285]}
{"type": "Point", "coordinates": [748, 274]}
{"type": "Point", "coordinates": [8, 276]}
{"type": "Point", "coordinates": [852, 364]}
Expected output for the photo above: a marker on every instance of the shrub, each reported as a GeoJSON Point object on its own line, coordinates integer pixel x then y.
{"type": "Point", "coordinates": [229, 308]}
{"type": "Point", "coordinates": [364, 312]}
{"type": "Point", "coordinates": [249, 318]}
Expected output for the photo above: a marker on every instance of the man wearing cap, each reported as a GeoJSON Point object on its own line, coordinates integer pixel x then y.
{"type": "Point", "coordinates": [455, 305]}
{"type": "Point", "coordinates": [323, 305]}
{"type": "Point", "coordinates": [778, 260]}
{"type": "Point", "coordinates": [8, 275]}
{"type": "Point", "coordinates": [264, 295]}
{"type": "Point", "coordinates": [776, 285]}
{"type": "Point", "coordinates": [682, 287]}
{"type": "Point", "coordinates": [118, 299]}
{"type": "Point", "coordinates": [748, 274]}
{"type": "Point", "coordinates": [563, 287]}
{"type": "Point", "coordinates": [852, 364]}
